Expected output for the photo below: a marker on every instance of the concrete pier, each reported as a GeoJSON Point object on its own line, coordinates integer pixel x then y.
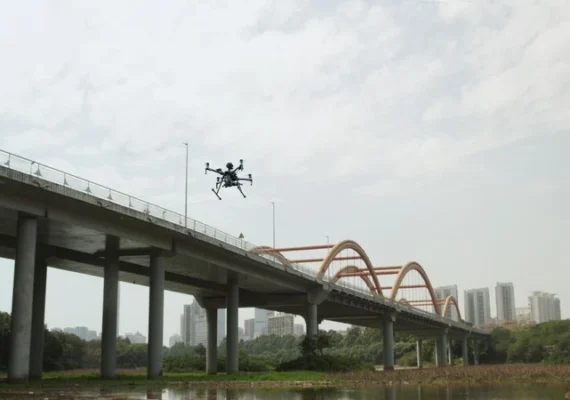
{"type": "Point", "coordinates": [311, 320]}
{"type": "Point", "coordinates": [38, 318]}
{"type": "Point", "coordinates": [22, 298]}
{"type": "Point", "coordinates": [232, 340]}
{"type": "Point", "coordinates": [110, 308]}
{"type": "Point", "coordinates": [441, 349]}
{"type": "Point", "coordinates": [465, 352]}
{"type": "Point", "coordinates": [156, 316]}
{"type": "Point", "coordinates": [419, 355]}
{"type": "Point", "coordinates": [212, 343]}
{"type": "Point", "coordinates": [388, 342]}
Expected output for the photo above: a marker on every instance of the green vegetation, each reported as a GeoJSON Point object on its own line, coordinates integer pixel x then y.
{"type": "Point", "coordinates": [357, 350]}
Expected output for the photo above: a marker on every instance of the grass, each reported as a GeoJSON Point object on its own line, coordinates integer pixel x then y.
{"type": "Point", "coordinates": [529, 374]}
{"type": "Point", "coordinates": [481, 374]}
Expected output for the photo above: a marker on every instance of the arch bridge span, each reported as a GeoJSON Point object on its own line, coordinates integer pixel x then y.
{"type": "Point", "coordinates": [346, 260]}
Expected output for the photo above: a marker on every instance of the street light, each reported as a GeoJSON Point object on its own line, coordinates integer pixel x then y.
{"type": "Point", "coordinates": [186, 190]}
{"type": "Point", "coordinates": [273, 203]}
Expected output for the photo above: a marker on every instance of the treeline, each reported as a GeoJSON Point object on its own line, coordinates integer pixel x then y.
{"type": "Point", "coordinates": [358, 348]}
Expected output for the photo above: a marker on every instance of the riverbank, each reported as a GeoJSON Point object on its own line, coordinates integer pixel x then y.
{"type": "Point", "coordinates": [520, 374]}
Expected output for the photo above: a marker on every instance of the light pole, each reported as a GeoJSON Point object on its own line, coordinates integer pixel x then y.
{"type": "Point", "coordinates": [273, 203]}
{"type": "Point", "coordinates": [186, 189]}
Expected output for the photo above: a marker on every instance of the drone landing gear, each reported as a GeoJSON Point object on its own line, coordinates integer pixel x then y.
{"type": "Point", "coordinates": [216, 193]}
{"type": "Point", "coordinates": [239, 188]}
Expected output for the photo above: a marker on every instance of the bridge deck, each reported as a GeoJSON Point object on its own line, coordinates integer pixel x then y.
{"type": "Point", "coordinates": [72, 230]}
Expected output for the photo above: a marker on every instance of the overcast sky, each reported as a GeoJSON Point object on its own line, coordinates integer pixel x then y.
{"type": "Point", "coordinates": [434, 131]}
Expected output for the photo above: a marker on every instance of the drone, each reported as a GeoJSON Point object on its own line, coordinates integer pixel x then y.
{"type": "Point", "coordinates": [228, 178]}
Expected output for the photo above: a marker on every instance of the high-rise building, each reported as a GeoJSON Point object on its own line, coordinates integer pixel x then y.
{"type": "Point", "coordinates": [442, 293]}
{"type": "Point", "coordinates": [505, 299]}
{"type": "Point", "coordinates": [477, 305]}
{"type": "Point", "coordinates": [299, 329]}
{"type": "Point", "coordinates": [261, 318]}
{"type": "Point", "coordinates": [544, 307]}
{"type": "Point", "coordinates": [523, 315]}
{"type": "Point", "coordinates": [83, 332]}
{"type": "Point", "coordinates": [281, 325]}
{"type": "Point", "coordinates": [194, 325]}
{"type": "Point", "coordinates": [249, 326]}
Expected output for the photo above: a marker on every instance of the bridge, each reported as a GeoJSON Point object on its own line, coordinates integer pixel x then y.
{"type": "Point", "coordinates": [50, 217]}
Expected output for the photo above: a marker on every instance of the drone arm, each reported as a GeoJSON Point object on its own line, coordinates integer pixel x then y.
{"type": "Point", "coordinates": [213, 170]}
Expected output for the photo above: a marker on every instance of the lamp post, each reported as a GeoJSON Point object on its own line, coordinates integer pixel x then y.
{"type": "Point", "coordinates": [186, 189]}
{"type": "Point", "coordinates": [273, 203]}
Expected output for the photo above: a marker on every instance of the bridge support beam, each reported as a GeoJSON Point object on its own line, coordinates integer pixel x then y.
{"type": "Point", "coordinates": [448, 353]}
{"type": "Point", "coordinates": [419, 355]}
{"type": "Point", "coordinates": [465, 352]}
{"type": "Point", "coordinates": [22, 298]}
{"type": "Point", "coordinates": [388, 341]}
{"type": "Point", "coordinates": [38, 318]}
{"type": "Point", "coordinates": [314, 298]}
{"type": "Point", "coordinates": [212, 343]}
{"type": "Point", "coordinates": [110, 308]}
{"type": "Point", "coordinates": [156, 316]}
{"type": "Point", "coordinates": [440, 349]}
{"type": "Point", "coordinates": [475, 352]}
{"type": "Point", "coordinates": [232, 306]}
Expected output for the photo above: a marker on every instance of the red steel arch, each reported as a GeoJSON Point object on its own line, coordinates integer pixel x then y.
{"type": "Point", "coordinates": [271, 251]}
{"type": "Point", "coordinates": [414, 266]}
{"type": "Point", "coordinates": [451, 300]}
{"type": "Point", "coordinates": [350, 245]}
{"type": "Point", "coordinates": [353, 268]}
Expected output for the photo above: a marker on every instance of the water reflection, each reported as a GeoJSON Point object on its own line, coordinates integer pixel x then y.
{"type": "Point", "coordinates": [395, 392]}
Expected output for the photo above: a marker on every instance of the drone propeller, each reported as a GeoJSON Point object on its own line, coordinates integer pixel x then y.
{"type": "Point", "coordinates": [207, 166]}
{"type": "Point", "coordinates": [241, 164]}
{"type": "Point", "coordinates": [250, 180]}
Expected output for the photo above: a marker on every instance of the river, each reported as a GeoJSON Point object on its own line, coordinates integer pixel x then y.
{"type": "Point", "coordinates": [407, 392]}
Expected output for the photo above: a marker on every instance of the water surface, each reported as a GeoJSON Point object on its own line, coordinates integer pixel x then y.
{"type": "Point", "coordinates": [404, 392]}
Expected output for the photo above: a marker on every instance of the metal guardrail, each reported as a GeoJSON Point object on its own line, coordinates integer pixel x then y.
{"type": "Point", "coordinates": [54, 175]}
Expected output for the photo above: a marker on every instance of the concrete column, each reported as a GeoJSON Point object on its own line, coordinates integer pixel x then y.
{"type": "Point", "coordinates": [312, 321]}
{"type": "Point", "coordinates": [419, 353]}
{"type": "Point", "coordinates": [465, 352]}
{"type": "Point", "coordinates": [156, 316]}
{"type": "Point", "coordinates": [110, 308]}
{"type": "Point", "coordinates": [388, 342]}
{"type": "Point", "coordinates": [475, 352]}
{"type": "Point", "coordinates": [212, 344]}
{"type": "Point", "coordinates": [449, 355]}
{"type": "Point", "coordinates": [440, 352]}
{"type": "Point", "coordinates": [22, 294]}
{"type": "Point", "coordinates": [232, 340]}
{"type": "Point", "coordinates": [38, 319]}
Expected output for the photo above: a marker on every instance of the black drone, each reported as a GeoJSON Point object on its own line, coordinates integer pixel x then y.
{"type": "Point", "coordinates": [229, 178]}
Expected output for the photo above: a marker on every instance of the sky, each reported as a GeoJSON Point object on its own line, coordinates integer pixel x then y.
{"type": "Point", "coordinates": [433, 131]}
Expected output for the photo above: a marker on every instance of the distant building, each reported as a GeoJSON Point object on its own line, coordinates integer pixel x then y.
{"type": "Point", "coordinates": [544, 307]}
{"type": "Point", "coordinates": [442, 293]}
{"type": "Point", "coordinates": [249, 328]}
{"type": "Point", "coordinates": [83, 332]}
{"type": "Point", "coordinates": [261, 317]}
{"type": "Point", "coordinates": [281, 325]}
{"type": "Point", "coordinates": [505, 299]}
{"type": "Point", "coordinates": [477, 305]}
{"type": "Point", "coordinates": [240, 333]}
{"type": "Point", "coordinates": [136, 337]}
{"type": "Point", "coordinates": [299, 329]}
{"type": "Point", "coordinates": [523, 315]}
{"type": "Point", "coordinates": [174, 339]}
{"type": "Point", "coordinates": [194, 325]}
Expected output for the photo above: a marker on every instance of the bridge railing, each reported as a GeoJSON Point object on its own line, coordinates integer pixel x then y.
{"type": "Point", "coordinates": [42, 171]}
{"type": "Point", "coordinates": [39, 170]}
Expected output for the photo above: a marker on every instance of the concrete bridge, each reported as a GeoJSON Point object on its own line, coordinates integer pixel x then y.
{"type": "Point", "coordinates": [50, 217]}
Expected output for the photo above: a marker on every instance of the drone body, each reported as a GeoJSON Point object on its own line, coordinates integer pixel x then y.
{"type": "Point", "coordinates": [228, 178]}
